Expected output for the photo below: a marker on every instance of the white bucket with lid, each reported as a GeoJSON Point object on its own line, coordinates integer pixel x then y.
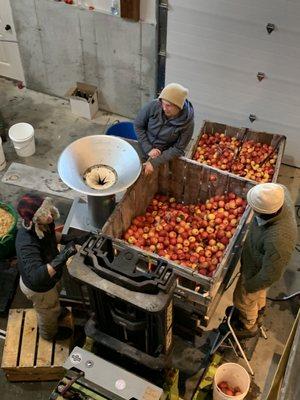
{"type": "Point", "coordinates": [236, 376]}
{"type": "Point", "coordinates": [2, 156]}
{"type": "Point", "coordinates": [22, 136]}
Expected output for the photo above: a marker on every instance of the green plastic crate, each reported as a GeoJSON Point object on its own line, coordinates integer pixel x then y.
{"type": "Point", "coordinates": [7, 242]}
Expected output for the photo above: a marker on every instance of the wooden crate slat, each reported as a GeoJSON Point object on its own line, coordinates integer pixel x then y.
{"type": "Point", "coordinates": [144, 190]}
{"type": "Point", "coordinates": [213, 127]}
{"type": "Point", "coordinates": [61, 352]}
{"type": "Point", "coordinates": [191, 196]}
{"type": "Point", "coordinates": [62, 347]}
{"type": "Point", "coordinates": [11, 347]}
{"type": "Point", "coordinates": [163, 179]}
{"type": "Point", "coordinates": [30, 374]}
{"type": "Point", "coordinates": [44, 352]}
{"type": "Point", "coordinates": [29, 339]}
{"type": "Point", "coordinates": [116, 226]}
{"type": "Point", "coordinates": [177, 179]}
{"type": "Point", "coordinates": [126, 213]}
{"type": "Point", "coordinates": [192, 150]}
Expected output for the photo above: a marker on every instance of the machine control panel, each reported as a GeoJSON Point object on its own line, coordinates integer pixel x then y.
{"type": "Point", "coordinates": [91, 377]}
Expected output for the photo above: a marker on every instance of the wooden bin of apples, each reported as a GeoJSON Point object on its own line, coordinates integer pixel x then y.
{"type": "Point", "coordinates": [179, 213]}
{"type": "Point", "coordinates": [249, 154]}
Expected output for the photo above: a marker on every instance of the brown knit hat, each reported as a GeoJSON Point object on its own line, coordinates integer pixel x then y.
{"type": "Point", "coordinates": [175, 94]}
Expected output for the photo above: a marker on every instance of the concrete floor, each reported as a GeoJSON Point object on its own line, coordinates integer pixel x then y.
{"type": "Point", "coordinates": [56, 127]}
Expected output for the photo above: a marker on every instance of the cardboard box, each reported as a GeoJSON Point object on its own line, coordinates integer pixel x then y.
{"type": "Point", "coordinates": [83, 100]}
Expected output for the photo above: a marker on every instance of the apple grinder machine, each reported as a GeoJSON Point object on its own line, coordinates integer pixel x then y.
{"type": "Point", "coordinates": [130, 296]}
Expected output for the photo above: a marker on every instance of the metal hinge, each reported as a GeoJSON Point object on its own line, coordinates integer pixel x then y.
{"type": "Point", "coordinates": [162, 53]}
{"type": "Point", "coordinates": [163, 5]}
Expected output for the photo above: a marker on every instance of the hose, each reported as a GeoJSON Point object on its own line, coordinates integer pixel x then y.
{"type": "Point", "coordinates": [291, 296]}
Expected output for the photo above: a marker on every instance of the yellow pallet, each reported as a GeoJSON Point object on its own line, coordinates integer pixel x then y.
{"type": "Point", "coordinates": [27, 356]}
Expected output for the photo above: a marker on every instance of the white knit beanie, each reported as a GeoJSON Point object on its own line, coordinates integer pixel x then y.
{"type": "Point", "coordinates": [175, 94]}
{"type": "Point", "coordinates": [266, 198]}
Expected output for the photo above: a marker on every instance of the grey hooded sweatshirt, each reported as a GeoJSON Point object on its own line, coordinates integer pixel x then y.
{"type": "Point", "coordinates": [169, 135]}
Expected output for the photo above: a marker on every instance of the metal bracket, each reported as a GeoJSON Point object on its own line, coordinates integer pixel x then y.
{"type": "Point", "coordinates": [270, 28]}
{"type": "Point", "coordinates": [260, 76]}
{"type": "Point", "coordinates": [164, 5]}
{"type": "Point", "coordinates": [252, 118]}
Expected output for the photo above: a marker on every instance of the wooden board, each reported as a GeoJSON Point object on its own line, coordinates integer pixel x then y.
{"type": "Point", "coordinates": [28, 357]}
{"type": "Point", "coordinates": [130, 9]}
{"type": "Point", "coordinates": [28, 339]}
{"type": "Point", "coordinates": [13, 332]}
{"type": "Point", "coordinates": [44, 353]}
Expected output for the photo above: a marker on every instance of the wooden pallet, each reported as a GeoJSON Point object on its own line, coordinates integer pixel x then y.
{"type": "Point", "coordinates": [27, 356]}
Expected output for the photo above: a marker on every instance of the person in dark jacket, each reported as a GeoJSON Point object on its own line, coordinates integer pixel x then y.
{"type": "Point", "coordinates": [40, 263]}
{"type": "Point", "coordinates": [267, 251]}
{"type": "Point", "coordinates": [165, 126]}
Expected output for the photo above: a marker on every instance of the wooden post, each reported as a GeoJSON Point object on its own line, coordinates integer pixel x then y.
{"type": "Point", "coordinates": [130, 9]}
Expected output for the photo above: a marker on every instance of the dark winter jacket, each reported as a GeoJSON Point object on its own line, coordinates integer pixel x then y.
{"type": "Point", "coordinates": [33, 256]}
{"type": "Point", "coordinates": [169, 135]}
{"type": "Point", "coordinates": [268, 248]}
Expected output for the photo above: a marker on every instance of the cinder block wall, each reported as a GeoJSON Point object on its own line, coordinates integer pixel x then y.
{"type": "Point", "coordinates": [61, 44]}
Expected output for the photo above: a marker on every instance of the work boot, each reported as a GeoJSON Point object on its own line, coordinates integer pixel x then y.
{"type": "Point", "coordinates": [235, 314]}
{"type": "Point", "coordinates": [63, 333]}
{"type": "Point", "coordinates": [64, 312]}
{"type": "Point", "coordinates": [242, 332]}
{"type": "Point", "coordinates": [260, 317]}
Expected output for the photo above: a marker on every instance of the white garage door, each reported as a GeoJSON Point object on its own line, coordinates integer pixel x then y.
{"type": "Point", "coordinates": [216, 48]}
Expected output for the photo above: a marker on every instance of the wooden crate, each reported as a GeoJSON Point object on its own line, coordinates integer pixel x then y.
{"type": "Point", "coordinates": [243, 134]}
{"type": "Point", "coordinates": [190, 183]}
{"type": "Point", "coordinates": [27, 356]}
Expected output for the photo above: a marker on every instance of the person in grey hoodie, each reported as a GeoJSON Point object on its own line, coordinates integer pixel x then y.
{"type": "Point", "coordinates": [165, 126]}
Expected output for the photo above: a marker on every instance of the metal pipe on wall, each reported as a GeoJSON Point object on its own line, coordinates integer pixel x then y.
{"type": "Point", "coordinates": [162, 20]}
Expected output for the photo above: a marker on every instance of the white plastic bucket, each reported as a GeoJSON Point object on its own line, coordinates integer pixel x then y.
{"type": "Point", "coordinates": [2, 157]}
{"type": "Point", "coordinates": [235, 375]}
{"type": "Point", "coordinates": [22, 136]}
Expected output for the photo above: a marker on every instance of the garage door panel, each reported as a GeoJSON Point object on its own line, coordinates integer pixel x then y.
{"type": "Point", "coordinates": [249, 38]}
{"type": "Point", "coordinates": [284, 69]}
{"type": "Point", "coordinates": [226, 104]}
{"type": "Point", "coordinates": [245, 81]}
{"type": "Point", "coordinates": [243, 10]}
{"type": "Point", "coordinates": [208, 45]}
{"type": "Point", "coordinates": [216, 49]}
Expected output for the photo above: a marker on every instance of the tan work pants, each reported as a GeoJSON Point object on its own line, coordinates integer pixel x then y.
{"type": "Point", "coordinates": [248, 304]}
{"type": "Point", "coordinates": [47, 307]}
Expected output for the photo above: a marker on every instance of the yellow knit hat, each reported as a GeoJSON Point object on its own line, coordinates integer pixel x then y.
{"type": "Point", "coordinates": [175, 94]}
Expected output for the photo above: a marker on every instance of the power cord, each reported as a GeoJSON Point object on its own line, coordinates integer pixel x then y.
{"type": "Point", "coordinates": [232, 281]}
{"type": "Point", "coordinates": [297, 206]}
{"type": "Point", "coordinates": [291, 296]}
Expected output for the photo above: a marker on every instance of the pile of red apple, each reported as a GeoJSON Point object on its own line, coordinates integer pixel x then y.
{"type": "Point", "coordinates": [192, 235]}
{"type": "Point", "coordinates": [248, 159]}
{"type": "Point", "coordinates": [229, 390]}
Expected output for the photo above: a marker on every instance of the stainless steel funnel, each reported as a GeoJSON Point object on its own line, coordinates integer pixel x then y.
{"type": "Point", "coordinates": [109, 152]}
